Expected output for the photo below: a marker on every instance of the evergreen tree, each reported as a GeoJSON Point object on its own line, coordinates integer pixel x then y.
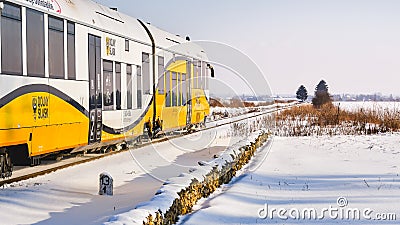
{"type": "Point", "coordinates": [322, 95]}
{"type": "Point", "coordinates": [322, 86]}
{"type": "Point", "coordinates": [302, 93]}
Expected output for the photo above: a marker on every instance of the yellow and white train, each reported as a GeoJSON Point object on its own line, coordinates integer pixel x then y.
{"type": "Point", "coordinates": [76, 75]}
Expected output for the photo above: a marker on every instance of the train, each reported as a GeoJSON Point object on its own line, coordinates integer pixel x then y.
{"type": "Point", "coordinates": [76, 76]}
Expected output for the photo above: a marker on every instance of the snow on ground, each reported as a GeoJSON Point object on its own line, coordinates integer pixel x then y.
{"type": "Point", "coordinates": [168, 193]}
{"type": "Point", "coordinates": [70, 196]}
{"type": "Point", "coordinates": [219, 113]}
{"type": "Point", "coordinates": [311, 173]}
{"type": "Point", "coordinates": [377, 106]}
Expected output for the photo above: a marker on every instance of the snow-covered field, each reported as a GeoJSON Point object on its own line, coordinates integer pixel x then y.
{"type": "Point", "coordinates": [391, 106]}
{"type": "Point", "coordinates": [312, 173]}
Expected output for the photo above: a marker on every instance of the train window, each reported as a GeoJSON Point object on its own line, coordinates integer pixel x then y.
{"type": "Point", "coordinates": [200, 71]}
{"type": "Point", "coordinates": [184, 89]}
{"type": "Point", "coordinates": [118, 84]}
{"type": "Point", "coordinates": [139, 87]}
{"type": "Point", "coordinates": [168, 88]}
{"type": "Point", "coordinates": [179, 89]}
{"type": "Point", "coordinates": [146, 72]}
{"type": "Point", "coordinates": [129, 86]}
{"type": "Point", "coordinates": [206, 76]}
{"type": "Point", "coordinates": [127, 45]}
{"type": "Point", "coordinates": [160, 75]}
{"type": "Point", "coordinates": [203, 75]}
{"type": "Point", "coordinates": [108, 94]}
{"type": "Point", "coordinates": [195, 74]}
{"type": "Point", "coordinates": [71, 50]}
{"type": "Point", "coordinates": [199, 75]}
{"type": "Point", "coordinates": [35, 42]}
{"type": "Point", "coordinates": [56, 47]}
{"type": "Point", "coordinates": [174, 93]}
{"type": "Point", "coordinates": [11, 37]}
{"type": "Point", "coordinates": [193, 83]}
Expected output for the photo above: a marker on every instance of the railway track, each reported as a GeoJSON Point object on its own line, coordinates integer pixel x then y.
{"type": "Point", "coordinates": [92, 157]}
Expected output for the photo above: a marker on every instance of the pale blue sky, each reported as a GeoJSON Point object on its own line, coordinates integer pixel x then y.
{"type": "Point", "coordinates": [353, 44]}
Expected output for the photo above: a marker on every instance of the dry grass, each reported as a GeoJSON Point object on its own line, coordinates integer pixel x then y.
{"type": "Point", "coordinates": [248, 127]}
{"type": "Point", "coordinates": [284, 101]}
{"type": "Point", "coordinates": [238, 103]}
{"type": "Point", "coordinates": [364, 121]}
{"type": "Point", "coordinates": [215, 102]}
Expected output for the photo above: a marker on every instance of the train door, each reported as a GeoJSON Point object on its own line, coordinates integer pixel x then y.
{"type": "Point", "coordinates": [189, 92]}
{"type": "Point", "coordinates": [95, 93]}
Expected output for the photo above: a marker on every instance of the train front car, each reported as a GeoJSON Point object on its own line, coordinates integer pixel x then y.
{"type": "Point", "coordinates": [77, 76]}
{"type": "Point", "coordinates": [70, 79]}
{"type": "Point", "coordinates": [42, 87]}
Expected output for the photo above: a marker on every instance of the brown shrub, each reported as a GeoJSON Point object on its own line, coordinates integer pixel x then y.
{"type": "Point", "coordinates": [215, 102]}
{"type": "Point", "coordinates": [284, 101]}
{"type": "Point", "coordinates": [249, 104]}
{"type": "Point", "coordinates": [328, 114]}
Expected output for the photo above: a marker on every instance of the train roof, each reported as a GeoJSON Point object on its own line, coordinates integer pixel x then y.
{"type": "Point", "coordinates": [92, 14]}
{"type": "Point", "coordinates": [97, 16]}
{"type": "Point", "coordinates": [171, 42]}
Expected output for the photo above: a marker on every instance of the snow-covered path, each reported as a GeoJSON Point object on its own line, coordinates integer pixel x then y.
{"type": "Point", "coordinates": [312, 173]}
{"type": "Point", "coordinates": [70, 196]}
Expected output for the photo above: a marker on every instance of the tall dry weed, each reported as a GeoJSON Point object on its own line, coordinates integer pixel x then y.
{"type": "Point", "coordinates": [305, 120]}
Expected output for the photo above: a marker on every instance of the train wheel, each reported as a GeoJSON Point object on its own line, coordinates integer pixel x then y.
{"type": "Point", "coordinates": [147, 130]}
{"type": "Point", "coordinates": [2, 165]}
{"type": "Point", "coordinates": [9, 165]}
{"type": "Point", "coordinates": [35, 161]}
{"type": "Point", "coordinates": [6, 166]}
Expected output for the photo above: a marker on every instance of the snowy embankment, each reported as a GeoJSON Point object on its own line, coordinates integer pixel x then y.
{"type": "Point", "coordinates": [178, 195]}
{"type": "Point", "coordinates": [340, 177]}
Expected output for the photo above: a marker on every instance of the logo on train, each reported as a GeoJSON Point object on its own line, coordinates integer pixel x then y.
{"type": "Point", "coordinates": [40, 106]}
{"type": "Point", "coordinates": [110, 46]}
{"type": "Point", "coordinates": [51, 5]}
